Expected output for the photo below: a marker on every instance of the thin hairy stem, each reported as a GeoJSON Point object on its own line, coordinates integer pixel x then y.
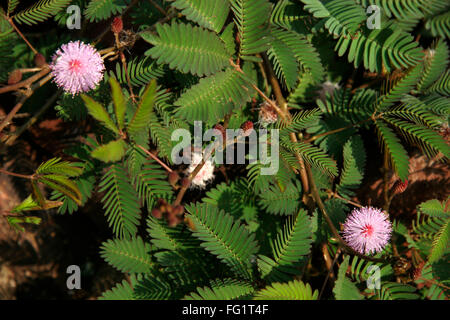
{"type": "Point", "coordinates": [165, 166]}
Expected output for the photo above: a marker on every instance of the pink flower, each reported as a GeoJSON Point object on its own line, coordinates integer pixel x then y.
{"type": "Point", "coordinates": [77, 67]}
{"type": "Point", "coordinates": [367, 230]}
{"type": "Point", "coordinates": [206, 173]}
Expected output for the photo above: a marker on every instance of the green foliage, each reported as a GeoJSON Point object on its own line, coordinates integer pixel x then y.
{"type": "Point", "coordinates": [436, 58]}
{"type": "Point", "coordinates": [226, 89]}
{"type": "Point", "coordinates": [282, 202]}
{"type": "Point", "coordinates": [128, 255]}
{"type": "Point", "coordinates": [434, 227]}
{"type": "Point", "coordinates": [122, 291]}
{"type": "Point", "coordinates": [293, 290]}
{"type": "Point", "coordinates": [289, 51]}
{"type": "Point", "coordinates": [245, 234]}
{"type": "Point", "coordinates": [396, 291]}
{"type": "Point", "coordinates": [313, 155]}
{"type": "Point", "coordinates": [353, 167]}
{"type": "Point", "coordinates": [40, 11]}
{"type": "Point", "coordinates": [98, 10]}
{"type": "Point", "coordinates": [12, 4]}
{"type": "Point", "coordinates": [386, 47]}
{"type": "Point", "coordinates": [224, 237]}
{"type": "Point", "coordinates": [141, 118]}
{"type": "Point", "coordinates": [187, 48]}
{"type": "Point", "coordinates": [98, 112]}
{"type": "Point", "coordinates": [140, 71]}
{"type": "Point", "coordinates": [293, 242]}
{"type": "Point", "coordinates": [252, 21]}
{"type": "Point", "coordinates": [120, 202]}
{"type": "Point", "coordinates": [151, 183]}
{"type": "Point", "coordinates": [397, 153]}
{"type": "Point", "coordinates": [439, 25]}
{"type": "Point", "coordinates": [210, 14]}
{"type": "Point", "coordinates": [227, 289]}
{"type": "Point", "coordinates": [344, 289]}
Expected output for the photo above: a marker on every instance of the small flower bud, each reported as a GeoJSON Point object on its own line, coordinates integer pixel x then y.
{"type": "Point", "coordinates": [117, 25]}
{"type": "Point", "coordinates": [173, 178]}
{"type": "Point", "coordinates": [222, 130]}
{"type": "Point", "coordinates": [400, 186]}
{"type": "Point", "coordinates": [173, 221]}
{"type": "Point", "coordinates": [169, 209]}
{"type": "Point", "coordinates": [178, 210]}
{"type": "Point", "coordinates": [39, 60]}
{"type": "Point", "coordinates": [157, 213]}
{"type": "Point", "coordinates": [162, 204]}
{"type": "Point", "coordinates": [247, 128]}
{"type": "Point", "coordinates": [15, 76]}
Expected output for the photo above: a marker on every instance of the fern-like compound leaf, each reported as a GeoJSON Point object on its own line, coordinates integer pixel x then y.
{"type": "Point", "coordinates": [210, 14]}
{"type": "Point", "coordinates": [292, 290]}
{"type": "Point", "coordinates": [223, 237]}
{"type": "Point", "coordinates": [354, 165]}
{"type": "Point", "coordinates": [187, 48]}
{"type": "Point", "coordinates": [292, 243]}
{"type": "Point", "coordinates": [252, 20]}
{"type": "Point", "coordinates": [344, 289]}
{"type": "Point", "coordinates": [128, 255]}
{"type": "Point", "coordinates": [226, 289]}
{"type": "Point", "coordinates": [397, 153]}
{"type": "Point", "coordinates": [40, 11]}
{"type": "Point", "coordinates": [98, 10]}
{"type": "Point", "coordinates": [213, 97]}
{"type": "Point", "coordinates": [120, 202]}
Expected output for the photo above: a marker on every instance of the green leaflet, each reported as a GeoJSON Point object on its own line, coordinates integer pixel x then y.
{"type": "Point", "coordinates": [344, 289]}
{"type": "Point", "coordinates": [292, 242]}
{"type": "Point", "coordinates": [99, 113]}
{"type": "Point", "coordinates": [143, 112]}
{"type": "Point", "coordinates": [293, 290]}
{"type": "Point", "coordinates": [227, 289]}
{"type": "Point", "coordinates": [111, 152]}
{"type": "Point", "coordinates": [120, 202]}
{"type": "Point", "coordinates": [39, 12]}
{"type": "Point", "coordinates": [210, 14]}
{"type": "Point", "coordinates": [223, 237]}
{"type": "Point", "coordinates": [226, 90]}
{"type": "Point", "coordinates": [98, 10]}
{"type": "Point", "coordinates": [119, 102]}
{"type": "Point", "coordinates": [252, 20]}
{"type": "Point", "coordinates": [128, 255]}
{"type": "Point", "coordinates": [398, 155]}
{"type": "Point", "coordinates": [354, 164]}
{"type": "Point", "coordinates": [187, 48]}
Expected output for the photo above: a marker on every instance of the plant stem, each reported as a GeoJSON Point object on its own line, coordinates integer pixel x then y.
{"type": "Point", "coordinates": [197, 169]}
{"type": "Point", "coordinates": [33, 119]}
{"type": "Point", "coordinates": [324, 134]}
{"type": "Point", "coordinates": [330, 266]}
{"type": "Point", "coordinates": [25, 83]}
{"type": "Point", "coordinates": [337, 196]}
{"type": "Point", "coordinates": [318, 201]}
{"type": "Point", "coordinates": [287, 115]}
{"type": "Point", "coordinates": [159, 8]}
{"type": "Point", "coordinates": [10, 20]}
{"type": "Point", "coordinates": [155, 158]}
{"type": "Point", "coordinates": [26, 95]}
{"type": "Point", "coordinates": [16, 174]}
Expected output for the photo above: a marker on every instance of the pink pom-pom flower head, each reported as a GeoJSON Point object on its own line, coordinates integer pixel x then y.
{"type": "Point", "coordinates": [77, 67]}
{"type": "Point", "coordinates": [367, 230]}
{"type": "Point", "coordinates": [206, 173]}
